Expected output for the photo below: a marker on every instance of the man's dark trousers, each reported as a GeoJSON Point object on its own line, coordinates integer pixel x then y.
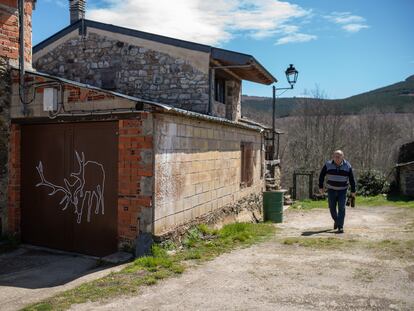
{"type": "Point", "coordinates": [337, 197]}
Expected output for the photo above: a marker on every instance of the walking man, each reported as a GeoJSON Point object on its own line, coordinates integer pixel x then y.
{"type": "Point", "coordinates": [339, 175]}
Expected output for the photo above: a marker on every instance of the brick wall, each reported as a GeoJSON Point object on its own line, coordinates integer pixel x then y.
{"type": "Point", "coordinates": [135, 178]}
{"type": "Point", "coordinates": [75, 98]}
{"type": "Point", "coordinates": [9, 55]}
{"type": "Point", "coordinates": [197, 168]}
{"type": "Point", "coordinates": [9, 30]}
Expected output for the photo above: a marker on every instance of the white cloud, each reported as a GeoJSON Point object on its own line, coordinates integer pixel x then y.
{"type": "Point", "coordinates": [295, 38]}
{"type": "Point", "coordinates": [354, 27]}
{"type": "Point", "coordinates": [210, 22]}
{"type": "Point", "coordinates": [350, 23]}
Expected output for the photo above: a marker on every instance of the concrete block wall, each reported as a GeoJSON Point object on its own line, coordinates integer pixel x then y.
{"type": "Point", "coordinates": [198, 167]}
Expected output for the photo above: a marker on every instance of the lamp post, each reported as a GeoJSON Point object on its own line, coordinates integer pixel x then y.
{"type": "Point", "coordinates": [291, 76]}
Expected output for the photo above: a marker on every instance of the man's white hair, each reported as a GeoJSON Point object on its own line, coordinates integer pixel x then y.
{"type": "Point", "coordinates": [340, 152]}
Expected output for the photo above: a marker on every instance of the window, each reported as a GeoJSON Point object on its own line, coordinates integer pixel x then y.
{"type": "Point", "coordinates": [108, 79]}
{"type": "Point", "coordinates": [246, 154]}
{"type": "Point", "coordinates": [219, 90]}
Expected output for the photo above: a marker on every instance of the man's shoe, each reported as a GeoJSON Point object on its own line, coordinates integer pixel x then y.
{"type": "Point", "coordinates": [335, 226]}
{"type": "Point", "coordinates": [340, 230]}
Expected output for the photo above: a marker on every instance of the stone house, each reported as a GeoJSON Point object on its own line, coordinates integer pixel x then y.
{"type": "Point", "coordinates": [405, 169]}
{"type": "Point", "coordinates": [179, 73]}
{"type": "Point", "coordinates": [93, 167]}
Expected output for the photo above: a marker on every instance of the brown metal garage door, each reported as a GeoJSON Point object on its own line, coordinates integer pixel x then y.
{"type": "Point", "coordinates": [69, 186]}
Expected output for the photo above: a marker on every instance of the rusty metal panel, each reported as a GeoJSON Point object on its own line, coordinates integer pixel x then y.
{"type": "Point", "coordinates": [69, 186]}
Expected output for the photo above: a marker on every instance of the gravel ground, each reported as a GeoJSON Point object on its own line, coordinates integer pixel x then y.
{"type": "Point", "coordinates": [276, 276]}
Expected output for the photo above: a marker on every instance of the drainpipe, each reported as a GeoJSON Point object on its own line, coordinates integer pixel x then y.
{"type": "Point", "coordinates": [21, 55]}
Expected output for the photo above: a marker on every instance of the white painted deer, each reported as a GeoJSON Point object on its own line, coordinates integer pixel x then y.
{"type": "Point", "coordinates": [80, 191]}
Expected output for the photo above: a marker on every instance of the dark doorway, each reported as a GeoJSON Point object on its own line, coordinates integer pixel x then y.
{"type": "Point", "coordinates": [69, 186]}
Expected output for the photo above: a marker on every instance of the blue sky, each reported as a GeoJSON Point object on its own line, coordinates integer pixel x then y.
{"type": "Point", "coordinates": [345, 47]}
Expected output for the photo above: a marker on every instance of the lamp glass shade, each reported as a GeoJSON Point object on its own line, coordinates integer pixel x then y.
{"type": "Point", "coordinates": [291, 74]}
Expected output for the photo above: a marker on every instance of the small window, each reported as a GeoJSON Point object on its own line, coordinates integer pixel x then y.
{"type": "Point", "coordinates": [219, 90]}
{"type": "Point", "coordinates": [108, 79]}
{"type": "Point", "coordinates": [246, 175]}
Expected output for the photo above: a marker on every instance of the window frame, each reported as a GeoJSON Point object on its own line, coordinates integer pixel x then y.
{"type": "Point", "coordinates": [220, 90]}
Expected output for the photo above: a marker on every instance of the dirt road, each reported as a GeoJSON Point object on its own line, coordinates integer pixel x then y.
{"type": "Point", "coordinates": [369, 267]}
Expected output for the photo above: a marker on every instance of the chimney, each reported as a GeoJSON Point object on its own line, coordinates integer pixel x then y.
{"type": "Point", "coordinates": [77, 10]}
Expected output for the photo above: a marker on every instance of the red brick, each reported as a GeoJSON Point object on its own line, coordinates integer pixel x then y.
{"type": "Point", "coordinates": [11, 3]}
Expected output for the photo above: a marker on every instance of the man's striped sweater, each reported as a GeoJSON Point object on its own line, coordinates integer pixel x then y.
{"type": "Point", "coordinates": [337, 177]}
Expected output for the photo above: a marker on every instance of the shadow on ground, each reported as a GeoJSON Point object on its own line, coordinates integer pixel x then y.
{"type": "Point", "coordinates": [38, 268]}
{"type": "Point", "coordinates": [309, 233]}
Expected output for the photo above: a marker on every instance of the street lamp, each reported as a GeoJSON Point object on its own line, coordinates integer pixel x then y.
{"type": "Point", "coordinates": [291, 76]}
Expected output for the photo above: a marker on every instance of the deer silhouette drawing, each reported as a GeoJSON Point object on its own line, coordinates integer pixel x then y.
{"type": "Point", "coordinates": [79, 192]}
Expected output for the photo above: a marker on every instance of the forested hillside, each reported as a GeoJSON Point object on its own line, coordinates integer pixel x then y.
{"type": "Point", "coordinates": [398, 98]}
{"type": "Point", "coordinates": [369, 128]}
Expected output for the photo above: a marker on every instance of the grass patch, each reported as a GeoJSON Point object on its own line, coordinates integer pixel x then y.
{"type": "Point", "coordinates": [378, 200]}
{"type": "Point", "coordinates": [403, 249]}
{"type": "Point", "coordinates": [319, 243]}
{"type": "Point", "coordinates": [387, 200]}
{"type": "Point", "coordinates": [201, 243]}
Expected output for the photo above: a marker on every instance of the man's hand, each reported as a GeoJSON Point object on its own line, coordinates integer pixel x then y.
{"type": "Point", "coordinates": [353, 194]}
{"type": "Point", "coordinates": [321, 191]}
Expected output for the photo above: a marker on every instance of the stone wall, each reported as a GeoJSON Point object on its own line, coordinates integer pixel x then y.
{"type": "Point", "coordinates": [231, 109]}
{"type": "Point", "coordinates": [233, 100]}
{"type": "Point", "coordinates": [198, 167]}
{"type": "Point", "coordinates": [136, 70]}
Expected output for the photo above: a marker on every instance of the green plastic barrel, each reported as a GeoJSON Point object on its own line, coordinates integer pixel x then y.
{"type": "Point", "coordinates": [273, 206]}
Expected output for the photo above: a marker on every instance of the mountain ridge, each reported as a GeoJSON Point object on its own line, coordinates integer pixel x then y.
{"type": "Point", "coordinates": [394, 98]}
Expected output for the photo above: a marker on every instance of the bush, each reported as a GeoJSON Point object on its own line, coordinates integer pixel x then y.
{"type": "Point", "coordinates": [372, 183]}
